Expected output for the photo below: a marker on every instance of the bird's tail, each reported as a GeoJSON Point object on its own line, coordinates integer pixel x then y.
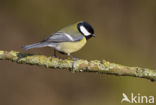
{"type": "Point", "coordinates": [36, 45]}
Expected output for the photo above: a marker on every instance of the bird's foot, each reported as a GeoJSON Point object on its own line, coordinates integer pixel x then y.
{"type": "Point", "coordinates": [54, 56]}
{"type": "Point", "coordinates": [73, 64]}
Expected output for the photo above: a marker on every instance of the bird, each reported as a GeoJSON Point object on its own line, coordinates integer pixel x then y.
{"type": "Point", "coordinates": [67, 40]}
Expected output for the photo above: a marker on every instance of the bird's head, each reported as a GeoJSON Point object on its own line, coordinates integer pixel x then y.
{"type": "Point", "coordinates": [86, 29]}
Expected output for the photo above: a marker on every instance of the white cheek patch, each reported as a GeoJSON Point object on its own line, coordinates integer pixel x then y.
{"type": "Point", "coordinates": [84, 31]}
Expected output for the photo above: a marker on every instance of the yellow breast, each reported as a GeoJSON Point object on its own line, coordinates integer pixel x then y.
{"type": "Point", "coordinates": [70, 47]}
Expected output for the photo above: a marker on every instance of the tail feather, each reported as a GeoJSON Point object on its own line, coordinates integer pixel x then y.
{"type": "Point", "coordinates": [36, 45]}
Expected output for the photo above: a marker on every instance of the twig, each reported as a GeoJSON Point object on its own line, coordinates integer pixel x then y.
{"type": "Point", "coordinates": [79, 65]}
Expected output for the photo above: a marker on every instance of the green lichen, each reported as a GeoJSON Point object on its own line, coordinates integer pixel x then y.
{"type": "Point", "coordinates": [1, 52]}
{"type": "Point", "coordinates": [13, 53]}
{"type": "Point", "coordinates": [99, 66]}
{"type": "Point", "coordinates": [48, 62]}
{"type": "Point", "coordinates": [106, 63]}
{"type": "Point", "coordinates": [65, 64]}
{"type": "Point", "coordinates": [79, 65]}
{"type": "Point", "coordinates": [93, 65]}
{"type": "Point", "coordinates": [54, 63]}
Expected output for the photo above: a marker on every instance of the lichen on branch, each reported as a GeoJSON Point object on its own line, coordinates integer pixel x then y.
{"type": "Point", "coordinates": [80, 65]}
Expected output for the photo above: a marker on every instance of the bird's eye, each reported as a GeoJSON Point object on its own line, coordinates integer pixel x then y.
{"type": "Point", "coordinates": [84, 31]}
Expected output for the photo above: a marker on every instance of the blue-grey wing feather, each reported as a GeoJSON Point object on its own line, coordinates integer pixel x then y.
{"type": "Point", "coordinates": [59, 37]}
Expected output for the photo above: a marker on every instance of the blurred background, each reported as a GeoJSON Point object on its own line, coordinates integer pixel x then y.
{"type": "Point", "coordinates": [125, 34]}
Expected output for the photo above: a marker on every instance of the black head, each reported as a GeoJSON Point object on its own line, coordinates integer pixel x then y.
{"type": "Point", "coordinates": [86, 30]}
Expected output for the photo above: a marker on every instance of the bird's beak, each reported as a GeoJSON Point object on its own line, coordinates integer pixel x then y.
{"type": "Point", "coordinates": [94, 35]}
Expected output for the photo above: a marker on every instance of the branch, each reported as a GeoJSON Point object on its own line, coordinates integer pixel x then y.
{"type": "Point", "coordinates": [79, 65]}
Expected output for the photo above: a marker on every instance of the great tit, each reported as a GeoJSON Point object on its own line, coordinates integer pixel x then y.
{"type": "Point", "coordinates": [67, 40]}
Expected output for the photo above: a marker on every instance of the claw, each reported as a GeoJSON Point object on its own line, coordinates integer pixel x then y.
{"type": "Point", "coordinates": [74, 59]}
{"type": "Point", "coordinates": [54, 54]}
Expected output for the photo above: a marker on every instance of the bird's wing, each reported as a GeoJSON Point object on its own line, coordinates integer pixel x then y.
{"type": "Point", "coordinates": [62, 37]}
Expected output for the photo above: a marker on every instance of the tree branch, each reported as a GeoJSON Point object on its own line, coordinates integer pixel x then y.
{"type": "Point", "coordinates": [79, 65]}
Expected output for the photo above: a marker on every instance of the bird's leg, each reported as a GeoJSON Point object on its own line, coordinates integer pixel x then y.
{"type": "Point", "coordinates": [74, 59]}
{"type": "Point", "coordinates": [54, 53]}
